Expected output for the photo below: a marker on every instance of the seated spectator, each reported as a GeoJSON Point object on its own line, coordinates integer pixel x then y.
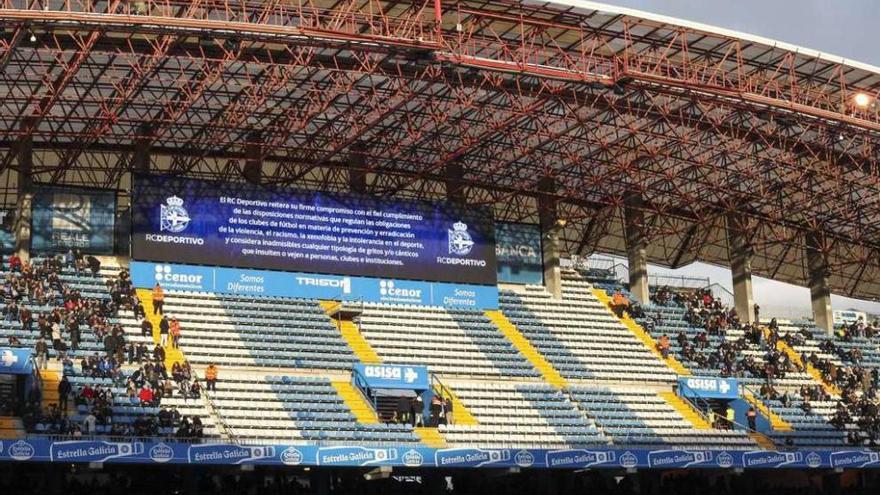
{"type": "Point", "coordinates": [619, 303]}
{"type": "Point", "coordinates": [146, 395]}
{"type": "Point", "coordinates": [663, 346]}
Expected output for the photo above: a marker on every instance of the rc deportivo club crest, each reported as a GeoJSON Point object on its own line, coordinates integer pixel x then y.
{"type": "Point", "coordinates": [173, 217]}
{"type": "Point", "coordinates": [460, 242]}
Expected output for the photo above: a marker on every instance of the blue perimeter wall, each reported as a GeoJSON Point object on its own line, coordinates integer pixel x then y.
{"type": "Point", "coordinates": [132, 452]}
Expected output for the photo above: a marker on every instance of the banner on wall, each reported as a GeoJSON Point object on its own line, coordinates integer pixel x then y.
{"type": "Point", "coordinates": [267, 283]}
{"type": "Point", "coordinates": [15, 361]}
{"type": "Point", "coordinates": [708, 387]}
{"type": "Point", "coordinates": [243, 225]}
{"type": "Point", "coordinates": [393, 376]}
{"type": "Point", "coordinates": [518, 253]}
{"type": "Point", "coordinates": [67, 218]}
{"type": "Point", "coordinates": [136, 452]}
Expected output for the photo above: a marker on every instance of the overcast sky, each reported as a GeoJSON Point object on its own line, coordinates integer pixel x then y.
{"type": "Point", "coordinates": [848, 28]}
{"type": "Point", "coordinates": [839, 27]}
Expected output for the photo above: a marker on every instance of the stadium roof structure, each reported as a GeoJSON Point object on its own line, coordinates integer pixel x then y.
{"type": "Point", "coordinates": [497, 98]}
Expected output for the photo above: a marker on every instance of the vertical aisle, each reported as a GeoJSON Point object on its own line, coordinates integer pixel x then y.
{"type": "Point", "coordinates": [172, 355]}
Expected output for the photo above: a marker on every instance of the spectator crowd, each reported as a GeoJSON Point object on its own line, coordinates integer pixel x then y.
{"type": "Point", "coordinates": [857, 410]}
{"type": "Point", "coordinates": [28, 290]}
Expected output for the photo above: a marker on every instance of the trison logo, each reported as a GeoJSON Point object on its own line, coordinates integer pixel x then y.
{"type": "Point", "coordinates": [164, 274]}
{"type": "Point", "coordinates": [343, 283]}
{"type": "Point", "coordinates": [387, 289]}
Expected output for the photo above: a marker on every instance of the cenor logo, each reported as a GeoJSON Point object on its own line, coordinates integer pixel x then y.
{"type": "Point", "coordinates": [165, 274]}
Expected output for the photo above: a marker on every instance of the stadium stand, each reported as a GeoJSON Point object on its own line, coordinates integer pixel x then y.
{"type": "Point", "coordinates": [643, 417]}
{"type": "Point", "coordinates": [261, 332]}
{"type": "Point", "coordinates": [521, 415]}
{"type": "Point", "coordinates": [304, 409]}
{"type": "Point", "coordinates": [691, 322]}
{"type": "Point", "coordinates": [613, 389]}
{"type": "Point", "coordinates": [450, 342]}
{"type": "Point", "coordinates": [74, 309]}
{"type": "Point", "coordinates": [580, 337]}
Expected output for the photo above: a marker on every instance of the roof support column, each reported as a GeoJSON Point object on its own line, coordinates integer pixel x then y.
{"type": "Point", "coordinates": [357, 175]}
{"type": "Point", "coordinates": [23, 214]}
{"type": "Point", "coordinates": [636, 247]}
{"type": "Point", "coordinates": [820, 291]}
{"type": "Point", "coordinates": [740, 255]}
{"type": "Point", "coordinates": [140, 159]}
{"type": "Point", "coordinates": [454, 175]}
{"type": "Point", "coordinates": [253, 158]}
{"type": "Point", "coordinates": [550, 226]}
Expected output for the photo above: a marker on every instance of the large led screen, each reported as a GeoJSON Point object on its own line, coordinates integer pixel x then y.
{"type": "Point", "coordinates": [241, 225]}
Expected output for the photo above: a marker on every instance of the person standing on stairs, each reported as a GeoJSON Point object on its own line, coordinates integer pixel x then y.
{"type": "Point", "coordinates": [211, 377]}
{"type": "Point", "coordinates": [42, 353]}
{"type": "Point", "coordinates": [158, 300]}
{"type": "Point", "coordinates": [158, 353]}
{"type": "Point", "coordinates": [174, 330]}
{"type": "Point", "coordinates": [418, 417]}
{"type": "Point", "coordinates": [164, 327]}
{"type": "Point", "coordinates": [64, 389]}
{"type": "Point", "coordinates": [752, 417]}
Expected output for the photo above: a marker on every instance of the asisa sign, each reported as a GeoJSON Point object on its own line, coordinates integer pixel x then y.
{"type": "Point", "coordinates": [708, 387]}
{"type": "Point", "coordinates": [389, 376]}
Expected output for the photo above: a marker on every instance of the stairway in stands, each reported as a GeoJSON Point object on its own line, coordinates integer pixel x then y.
{"type": "Point", "coordinates": [522, 344]}
{"type": "Point", "coordinates": [352, 335]}
{"type": "Point", "coordinates": [175, 355]}
{"type": "Point", "coordinates": [776, 422]}
{"type": "Point", "coordinates": [353, 397]}
{"type": "Point", "coordinates": [782, 346]}
{"type": "Point", "coordinates": [356, 402]}
{"type": "Point", "coordinates": [686, 410]}
{"type": "Point", "coordinates": [11, 427]}
{"type": "Point", "coordinates": [172, 355]}
{"type": "Point", "coordinates": [642, 335]}
{"type": "Point", "coordinates": [51, 379]}
{"type": "Point", "coordinates": [431, 437]}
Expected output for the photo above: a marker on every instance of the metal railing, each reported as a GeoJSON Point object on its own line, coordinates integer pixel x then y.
{"type": "Point", "coordinates": [720, 293]}
{"type": "Point", "coordinates": [222, 425]}
{"type": "Point", "coordinates": [679, 281]}
{"type": "Point", "coordinates": [56, 437]}
{"type": "Point", "coordinates": [696, 402]}
{"type": "Point", "coordinates": [744, 388]}
{"type": "Point", "coordinates": [360, 383]}
{"type": "Point", "coordinates": [442, 390]}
